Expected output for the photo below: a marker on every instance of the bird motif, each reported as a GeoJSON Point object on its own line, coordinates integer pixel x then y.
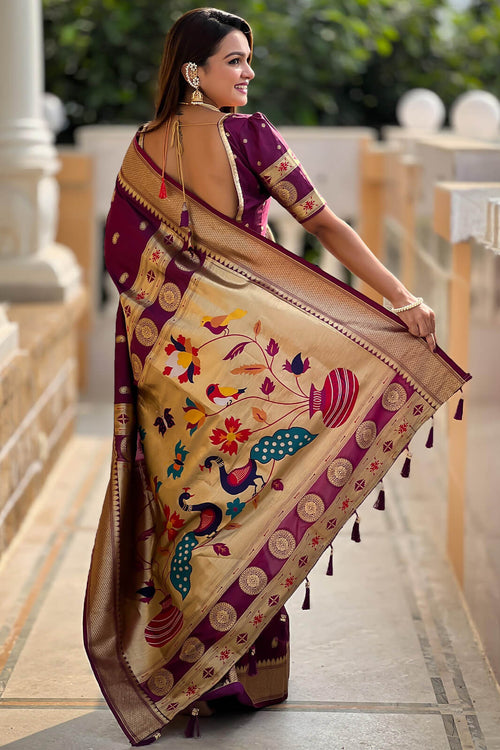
{"type": "Point", "coordinates": [210, 514]}
{"type": "Point", "coordinates": [239, 479]}
{"type": "Point", "coordinates": [222, 395]}
{"type": "Point", "coordinates": [219, 323]}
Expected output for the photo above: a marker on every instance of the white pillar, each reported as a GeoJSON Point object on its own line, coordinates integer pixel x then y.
{"type": "Point", "coordinates": [32, 266]}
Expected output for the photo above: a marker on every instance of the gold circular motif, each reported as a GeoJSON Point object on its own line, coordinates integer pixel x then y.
{"type": "Point", "coordinates": [192, 650]}
{"type": "Point", "coordinates": [253, 581]}
{"type": "Point", "coordinates": [121, 339]}
{"type": "Point", "coordinates": [146, 332]}
{"type": "Point", "coordinates": [136, 366]}
{"type": "Point", "coordinates": [143, 225]}
{"type": "Point", "coordinates": [394, 397]}
{"type": "Point", "coordinates": [286, 193]}
{"type": "Point", "coordinates": [366, 434]}
{"type": "Point", "coordinates": [339, 472]}
{"type": "Point", "coordinates": [123, 278]}
{"type": "Point", "coordinates": [310, 508]}
{"type": "Point", "coordinates": [160, 683]}
{"type": "Point", "coordinates": [187, 260]}
{"type": "Point", "coordinates": [125, 448]}
{"type": "Point", "coordinates": [281, 544]}
{"type": "Point", "coordinates": [169, 297]}
{"type": "Point", "coordinates": [222, 617]}
{"type": "Point", "coordinates": [124, 389]}
{"type": "Point", "coordinates": [116, 237]}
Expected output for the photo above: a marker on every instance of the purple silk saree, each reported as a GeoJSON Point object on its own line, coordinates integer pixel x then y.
{"type": "Point", "coordinates": [257, 403]}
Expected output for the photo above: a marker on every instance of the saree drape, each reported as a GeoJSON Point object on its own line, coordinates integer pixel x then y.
{"type": "Point", "coordinates": [258, 401]}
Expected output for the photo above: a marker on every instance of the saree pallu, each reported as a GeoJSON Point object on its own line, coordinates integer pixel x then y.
{"type": "Point", "coordinates": [258, 401]}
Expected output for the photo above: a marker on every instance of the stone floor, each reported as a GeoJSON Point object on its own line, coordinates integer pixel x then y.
{"type": "Point", "coordinates": [386, 659]}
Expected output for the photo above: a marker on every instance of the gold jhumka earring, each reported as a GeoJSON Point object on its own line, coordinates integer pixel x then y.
{"type": "Point", "coordinates": [194, 81]}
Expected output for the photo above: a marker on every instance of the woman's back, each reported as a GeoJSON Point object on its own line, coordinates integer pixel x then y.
{"type": "Point", "coordinates": [206, 169]}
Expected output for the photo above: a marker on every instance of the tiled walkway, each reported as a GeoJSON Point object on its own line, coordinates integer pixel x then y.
{"type": "Point", "coordinates": [384, 660]}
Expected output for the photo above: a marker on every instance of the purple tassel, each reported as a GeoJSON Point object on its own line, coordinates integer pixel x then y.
{"type": "Point", "coordinates": [379, 503]}
{"type": "Point", "coordinates": [193, 725]}
{"type": "Point", "coordinates": [355, 535]}
{"type": "Point", "coordinates": [329, 570]}
{"type": "Point", "coordinates": [430, 436]}
{"type": "Point", "coordinates": [460, 410]}
{"type": "Point", "coordinates": [184, 216]}
{"type": "Point", "coordinates": [405, 471]}
{"type": "Point", "coordinates": [307, 599]}
{"type": "Point", "coordinates": [283, 631]}
{"type": "Point", "coordinates": [148, 740]}
{"type": "Point", "coordinates": [252, 663]}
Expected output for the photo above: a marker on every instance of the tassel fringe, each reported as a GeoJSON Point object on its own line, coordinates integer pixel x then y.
{"type": "Point", "coordinates": [163, 189]}
{"type": "Point", "coordinates": [379, 503]}
{"type": "Point", "coordinates": [193, 725]}
{"type": "Point", "coordinates": [329, 570]}
{"type": "Point", "coordinates": [430, 437]}
{"type": "Point", "coordinates": [283, 632]}
{"type": "Point", "coordinates": [460, 410]}
{"type": "Point", "coordinates": [405, 471]}
{"type": "Point", "coordinates": [252, 663]}
{"type": "Point", "coordinates": [307, 599]}
{"type": "Point", "coordinates": [355, 535]}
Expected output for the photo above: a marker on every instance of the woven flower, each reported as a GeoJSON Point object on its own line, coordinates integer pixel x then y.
{"type": "Point", "coordinates": [182, 360]}
{"type": "Point", "coordinates": [229, 438]}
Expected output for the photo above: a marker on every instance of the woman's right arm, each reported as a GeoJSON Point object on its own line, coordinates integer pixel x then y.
{"type": "Point", "coordinates": [348, 247]}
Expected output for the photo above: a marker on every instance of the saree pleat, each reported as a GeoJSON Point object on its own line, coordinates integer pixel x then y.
{"type": "Point", "coordinates": [258, 401]}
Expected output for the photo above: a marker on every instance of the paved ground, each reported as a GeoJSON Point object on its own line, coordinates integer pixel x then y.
{"type": "Point", "coordinates": [386, 659]}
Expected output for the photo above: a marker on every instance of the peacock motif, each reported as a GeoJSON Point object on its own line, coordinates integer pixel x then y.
{"type": "Point", "coordinates": [239, 479]}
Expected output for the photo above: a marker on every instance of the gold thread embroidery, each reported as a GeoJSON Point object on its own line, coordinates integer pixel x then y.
{"type": "Point", "coordinates": [222, 617]}
{"type": "Point", "coordinates": [124, 418]}
{"type": "Point", "coordinates": [192, 650]}
{"type": "Point", "coordinates": [123, 278]}
{"type": "Point", "coordinates": [146, 332]}
{"type": "Point", "coordinates": [286, 193]}
{"type": "Point", "coordinates": [161, 682]}
{"type": "Point", "coordinates": [169, 297]}
{"type": "Point", "coordinates": [234, 170]}
{"type": "Point", "coordinates": [366, 434]}
{"type": "Point", "coordinates": [394, 397]}
{"type": "Point", "coordinates": [279, 169]}
{"type": "Point", "coordinates": [339, 472]}
{"type": "Point", "coordinates": [136, 366]}
{"type": "Point", "coordinates": [307, 206]}
{"type": "Point", "coordinates": [253, 581]}
{"type": "Point", "coordinates": [281, 544]}
{"type": "Point", "coordinates": [310, 508]}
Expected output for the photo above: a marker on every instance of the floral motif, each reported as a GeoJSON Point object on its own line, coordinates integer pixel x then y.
{"type": "Point", "coordinates": [278, 484]}
{"type": "Point", "coordinates": [173, 522]}
{"type": "Point", "coordinates": [234, 507]}
{"type": "Point", "coordinates": [225, 654]}
{"type": "Point", "coordinates": [182, 362]}
{"type": "Point", "coordinates": [177, 467]}
{"type": "Point", "coordinates": [229, 438]}
{"type": "Point", "coordinates": [272, 348]}
{"type": "Point", "coordinates": [403, 427]}
{"type": "Point", "coordinates": [297, 366]}
{"type": "Point", "coordinates": [375, 466]}
{"type": "Point", "coordinates": [257, 619]}
{"type": "Point", "coordinates": [267, 386]}
{"type": "Point", "coordinates": [194, 414]}
{"type": "Point", "coordinates": [289, 582]}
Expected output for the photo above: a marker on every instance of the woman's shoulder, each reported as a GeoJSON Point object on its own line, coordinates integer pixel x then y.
{"type": "Point", "coordinates": [240, 121]}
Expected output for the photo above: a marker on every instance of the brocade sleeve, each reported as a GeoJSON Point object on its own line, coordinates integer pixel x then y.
{"type": "Point", "coordinates": [278, 169]}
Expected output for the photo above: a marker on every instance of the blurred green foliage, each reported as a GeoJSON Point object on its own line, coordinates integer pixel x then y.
{"type": "Point", "coordinates": [331, 62]}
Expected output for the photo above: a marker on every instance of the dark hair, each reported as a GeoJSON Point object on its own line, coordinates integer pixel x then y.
{"type": "Point", "coordinates": [194, 37]}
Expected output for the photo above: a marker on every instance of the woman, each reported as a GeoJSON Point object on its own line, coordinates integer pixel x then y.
{"type": "Point", "coordinates": [257, 401]}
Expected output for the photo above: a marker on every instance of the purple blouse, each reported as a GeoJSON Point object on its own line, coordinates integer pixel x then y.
{"type": "Point", "coordinates": [263, 167]}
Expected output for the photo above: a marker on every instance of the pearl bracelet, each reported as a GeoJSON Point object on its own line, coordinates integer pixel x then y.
{"type": "Point", "coordinates": [417, 303]}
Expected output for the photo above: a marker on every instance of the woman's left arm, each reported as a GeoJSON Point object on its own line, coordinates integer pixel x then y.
{"type": "Point", "coordinates": [348, 247]}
